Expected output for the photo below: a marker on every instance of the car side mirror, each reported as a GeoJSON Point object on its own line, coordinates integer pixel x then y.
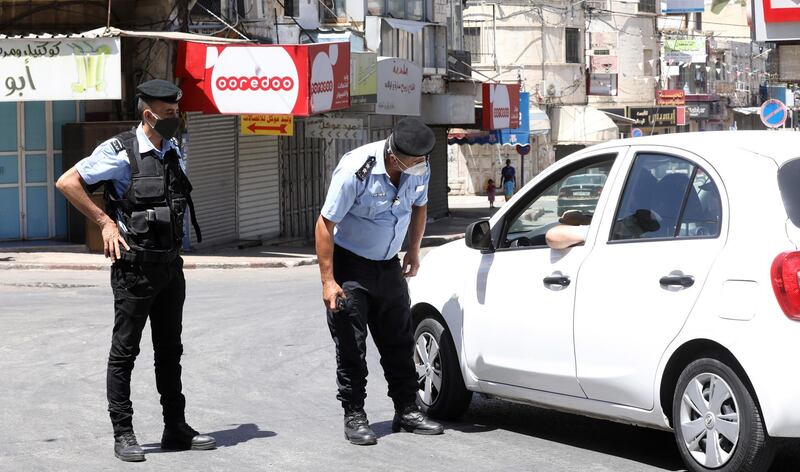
{"type": "Point", "coordinates": [479, 235]}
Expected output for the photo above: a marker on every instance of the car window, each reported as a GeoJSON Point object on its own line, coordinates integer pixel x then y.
{"type": "Point", "coordinates": [667, 197]}
{"type": "Point", "coordinates": [788, 177]}
{"type": "Point", "coordinates": [577, 188]}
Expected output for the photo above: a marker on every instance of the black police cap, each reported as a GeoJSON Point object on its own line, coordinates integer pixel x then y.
{"type": "Point", "coordinates": [159, 89]}
{"type": "Point", "coordinates": [412, 137]}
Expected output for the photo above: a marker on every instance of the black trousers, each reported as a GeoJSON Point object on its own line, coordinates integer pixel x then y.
{"type": "Point", "coordinates": [142, 290]}
{"type": "Point", "coordinates": [377, 300]}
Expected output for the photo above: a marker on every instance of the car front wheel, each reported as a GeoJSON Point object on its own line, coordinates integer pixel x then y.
{"type": "Point", "coordinates": [441, 391]}
{"type": "Point", "coordinates": [717, 423]}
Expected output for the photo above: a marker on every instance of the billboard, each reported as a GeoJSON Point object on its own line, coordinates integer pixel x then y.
{"type": "Point", "coordinates": [298, 80]}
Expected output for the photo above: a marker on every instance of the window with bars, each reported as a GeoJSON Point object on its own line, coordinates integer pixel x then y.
{"type": "Point", "coordinates": [332, 11]}
{"type": "Point", "coordinates": [403, 9]}
{"type": "Point", "coordinates": [572, 43]}
{"type": "Point", "coordinates": [291, 8]}
{"type": "Point", "coordinates": [647, 6]}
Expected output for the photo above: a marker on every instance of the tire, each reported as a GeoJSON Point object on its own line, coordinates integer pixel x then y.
{"type": "Point", "coordinates": [451, 400]}
{"type": "Point", "coordinates": [730, 419]}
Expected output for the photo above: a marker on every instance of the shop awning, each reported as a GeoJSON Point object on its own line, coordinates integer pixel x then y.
{"type": "Point", "coordinates": [747, 110]}
{"type": "Point", "coordinates": [539, 121]}
{"type": "Point", "coordinates": [582, 125]}
{"type": "Point", "coordinates": [620, 119]}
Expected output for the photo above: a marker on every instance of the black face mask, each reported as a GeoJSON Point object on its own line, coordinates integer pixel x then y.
{"type": "Point", "coordinates": [166, 127]}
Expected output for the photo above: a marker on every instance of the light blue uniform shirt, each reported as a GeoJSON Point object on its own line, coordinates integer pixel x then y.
{"type": "Point", "coordinates": [107, 164]}
{"type": "Point", "coordinates": [372, 216]}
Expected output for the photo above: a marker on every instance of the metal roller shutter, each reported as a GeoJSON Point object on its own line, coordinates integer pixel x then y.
{"type": "Point", "coordinates": [302, 174]}
{"type": "Point", "coordinates": [437, 189]}
{"type": "Point", "coordinates": [259, 188]}
{"type": "Point", "coordinates": [211, 166]}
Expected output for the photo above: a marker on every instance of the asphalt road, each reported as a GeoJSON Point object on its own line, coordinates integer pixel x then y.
{"type": "Point", "coordinates": [258, 376]}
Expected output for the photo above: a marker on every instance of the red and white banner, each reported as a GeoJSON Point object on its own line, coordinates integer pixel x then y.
{"type": "Point", "coordinates": [297, 79]}
{"type": "Point", "coordinates": [500, 106]}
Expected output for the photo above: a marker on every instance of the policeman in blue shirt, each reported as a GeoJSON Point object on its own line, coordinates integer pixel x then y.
{"type": "Point", "coordinates": [378, 192]}
{"type": "Point", "coordinates": [147, 194]}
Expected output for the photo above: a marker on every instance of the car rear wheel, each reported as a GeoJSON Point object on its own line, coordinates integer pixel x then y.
{"type": "Point", "coordinates": [441, 391]}
{"type": "Point", "coordinates": [717, 423]}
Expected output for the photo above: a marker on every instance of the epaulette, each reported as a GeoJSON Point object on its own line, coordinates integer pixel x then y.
{"type": "Point", "coordinates": [117, 146]}
{"type": "Point", "coordinates": [364, 171]}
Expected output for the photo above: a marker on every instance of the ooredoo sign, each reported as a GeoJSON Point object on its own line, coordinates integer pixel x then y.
{"type": "Point", "coordinates": [500, 106]}
{"type": "Point", "coordinates": [298, 80]}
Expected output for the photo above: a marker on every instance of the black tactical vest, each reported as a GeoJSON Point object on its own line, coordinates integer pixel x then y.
{"type": "Point", "coordinates": [153, 208]}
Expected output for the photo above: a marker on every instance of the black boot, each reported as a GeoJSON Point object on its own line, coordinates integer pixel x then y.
{"type": "Point", "coordinates": [356, 427]}
{"type": "Point", "coordinates": [412, 420]}
{"type": "Point", "coordinates": [127, 449]}
{"type": "Point", "coordinates": [181, 437]}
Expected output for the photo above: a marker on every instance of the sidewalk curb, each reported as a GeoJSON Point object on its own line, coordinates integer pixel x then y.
{"type": "Point", "coordinates": [430, 241]}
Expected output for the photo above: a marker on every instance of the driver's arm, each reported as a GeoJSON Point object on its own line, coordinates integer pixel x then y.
{"type": "Point", "coordinates": [564, 236]}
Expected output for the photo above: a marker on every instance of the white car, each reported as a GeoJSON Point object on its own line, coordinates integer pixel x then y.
{"type": "Point", "coordinates": [681, 310]}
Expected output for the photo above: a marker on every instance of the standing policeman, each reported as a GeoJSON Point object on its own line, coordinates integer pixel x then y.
{"type": "Point", "coordinates": [147, 194]}
{"type": "Point", "coordinates": [377, 193]}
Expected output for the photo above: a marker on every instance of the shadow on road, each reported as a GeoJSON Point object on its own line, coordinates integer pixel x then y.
{"type": "Point", "coordinates": [225, 438]}
{"type": "Point", "coordinates": [643, 445]}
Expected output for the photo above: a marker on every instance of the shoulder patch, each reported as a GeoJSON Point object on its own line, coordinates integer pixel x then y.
{"type": "Point", "coordinates": [117, 146]}
{"type": "Point", "coordinates": [364, 170]}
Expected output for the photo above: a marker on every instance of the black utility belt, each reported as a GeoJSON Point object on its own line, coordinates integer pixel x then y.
{"type": "Point", "coordinates": [340, 251]}
{"type": "Point", "coordinates": [148, 257]}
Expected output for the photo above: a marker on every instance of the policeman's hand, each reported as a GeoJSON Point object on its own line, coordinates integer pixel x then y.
{"type": "Point", "coordinates": [330, 292]}
{"type": "Point", "coordinates": [410, 264]}
{"type": "Point", "coordinates": [112, 239]}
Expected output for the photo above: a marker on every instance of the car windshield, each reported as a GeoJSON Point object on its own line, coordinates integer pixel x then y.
{"type": "Point", "coordinates": [585, 179]}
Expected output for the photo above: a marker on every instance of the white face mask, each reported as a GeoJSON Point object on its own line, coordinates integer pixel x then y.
{"type": "Point", "coordinates": [416, 169]}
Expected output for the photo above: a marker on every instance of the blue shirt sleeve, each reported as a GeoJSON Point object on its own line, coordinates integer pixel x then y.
{"type": "Point", "coordinates": [422, 198]}
{"type": "Point", "coordinates": [341, 194]}
{"type": "Point", "coordinates": [104, 164]}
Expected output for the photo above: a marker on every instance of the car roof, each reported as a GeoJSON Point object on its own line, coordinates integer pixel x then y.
{"type": "Point", "coordinates": [779, 145]}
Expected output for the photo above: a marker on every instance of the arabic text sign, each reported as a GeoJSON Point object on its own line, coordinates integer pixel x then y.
{"type": "Point", "coordinates": [270, 125]}
{"type": "Point", "coordinates": [59, 69]}
{"type": "Point", "coordinates": [363, 77]}
{"type": "Point", "coordinates": [685, 50]}
{"type": "Point", "coordinates": [660, 116]}
{"type": "Point", "coordinates": [670, 97]}
{"type": "Point", "coordinates": [335, 128]}
{"type": "Point", "coordinates": [682, 6]}
{"type": "Point", "coordinates": [399, 87]}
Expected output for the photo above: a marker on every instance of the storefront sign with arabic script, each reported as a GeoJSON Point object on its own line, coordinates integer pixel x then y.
{"type": "Point", "coordinates": [399, 87]}
{"type": "Point", "coordinates": [59, 69]}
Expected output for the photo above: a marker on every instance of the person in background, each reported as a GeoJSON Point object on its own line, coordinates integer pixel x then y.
{"type": "Point", "coordinates": [490, 192]}
{"type": "Point", "coordinates": [508, 180]}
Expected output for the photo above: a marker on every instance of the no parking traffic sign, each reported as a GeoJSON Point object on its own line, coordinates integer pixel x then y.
{"type": "Point", "coordinates": [773, 113]}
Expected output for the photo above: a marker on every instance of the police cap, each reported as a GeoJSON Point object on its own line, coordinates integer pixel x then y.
{"type": "Point", "coordinates": [412, 137]}
{"type": "Point", "coordinates": [158, 89]}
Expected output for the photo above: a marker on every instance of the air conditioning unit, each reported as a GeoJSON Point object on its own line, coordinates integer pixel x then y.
{"type": "Point", "coordinates": [551, 90]}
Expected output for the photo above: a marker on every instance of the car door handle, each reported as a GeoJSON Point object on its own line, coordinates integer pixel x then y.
{"type": "Point", "coordinates": [682, 280]}
{"type": "Point", "coordinates": [562, 280]}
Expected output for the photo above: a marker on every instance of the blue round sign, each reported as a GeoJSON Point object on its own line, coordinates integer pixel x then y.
{"type": "Point", "coordinates": [636, 133]}
{"type": "Point", "coordinates": [773, 113]}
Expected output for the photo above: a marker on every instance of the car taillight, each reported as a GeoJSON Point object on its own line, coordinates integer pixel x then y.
{"type": "Point", "coordinates": [785, 283]}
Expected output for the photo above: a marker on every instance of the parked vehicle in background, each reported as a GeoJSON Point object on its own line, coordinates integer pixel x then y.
{"type": "Point", "coordinates": [580, 192]}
